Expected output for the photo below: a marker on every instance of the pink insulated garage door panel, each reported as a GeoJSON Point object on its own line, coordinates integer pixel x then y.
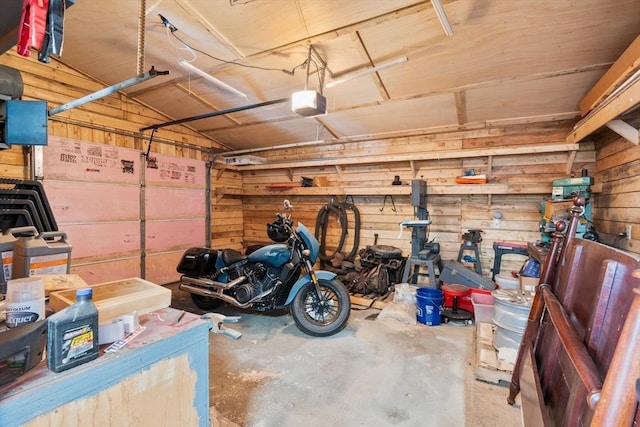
{"type": "Point", "coordinates": [162, 170]}
{"type": "Point", "coordinates": [73, 160]}
{"type": "Point", "coordinates": [162, 203]}
{"type": "Point", "coordinates": [161, 268]}
{"type": "Point", "coordinates": [108, 271]}
{"type": "Point", "coordinates": [175, 212]}
{"type": "Point", "coordinates": [106, 240]}
{"type": "Point", "coordinates": [73, 201]}
{"type": "Point", "coordinates": [172, 235]}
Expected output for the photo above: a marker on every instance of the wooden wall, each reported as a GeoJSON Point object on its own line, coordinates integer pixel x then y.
{"type": "Point", "coordinates": [618, 205]}
{"type": "Point", "coordinates": [517, 185]}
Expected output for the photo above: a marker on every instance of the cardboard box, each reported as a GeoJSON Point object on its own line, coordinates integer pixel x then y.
{"type": "Point", "coordinates": [528, 283]}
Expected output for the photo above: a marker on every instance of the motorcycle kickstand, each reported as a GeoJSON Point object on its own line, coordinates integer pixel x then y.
{"type": "Point", "coordinates": [218, 319]}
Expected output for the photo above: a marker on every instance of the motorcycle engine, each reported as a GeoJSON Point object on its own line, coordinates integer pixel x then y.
{"type": "Point", "coordinates": [260, 279]}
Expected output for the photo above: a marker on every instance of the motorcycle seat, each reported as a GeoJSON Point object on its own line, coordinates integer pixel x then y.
{"type": "Point", "coordinates": [229, 256]}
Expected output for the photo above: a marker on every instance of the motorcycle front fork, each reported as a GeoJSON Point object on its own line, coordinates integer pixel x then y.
{"type": "Point", "coordinates": [314, 278]}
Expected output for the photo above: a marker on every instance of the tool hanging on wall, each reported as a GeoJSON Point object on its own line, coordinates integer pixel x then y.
{"type": "Point", "coordinates": [384, 202]}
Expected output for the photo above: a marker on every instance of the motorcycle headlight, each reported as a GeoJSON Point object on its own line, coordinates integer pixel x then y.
{"type": "Point", "coordinates": [306, 252]}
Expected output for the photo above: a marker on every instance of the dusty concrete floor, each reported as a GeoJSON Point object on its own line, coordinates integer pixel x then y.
{"type": "Point", "coordinates": [377, 372]}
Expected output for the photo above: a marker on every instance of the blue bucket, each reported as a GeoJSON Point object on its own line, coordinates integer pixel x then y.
{"type": "Point", "coordinates": [429, 301]}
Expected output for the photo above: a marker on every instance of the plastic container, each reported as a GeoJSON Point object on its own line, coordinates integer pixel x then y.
{"type": "Point", "coordinates": [482, 307]}
{"type": "Point", "coordinates": [48, 253]}
{"type": "Point", "coordinates": [72, 337]}
{"type": "Point", "coordinates": [7, 241]}
{"type": "Point", "coordinates": [428, 301]}
{"type": "Point", "coordinates": [25, 301]}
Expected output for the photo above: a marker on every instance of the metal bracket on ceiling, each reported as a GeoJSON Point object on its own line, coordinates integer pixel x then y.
{"type": "Point", "coordinates": [108, 90]}
{"type": "Point", "coordinates": [319, 66]}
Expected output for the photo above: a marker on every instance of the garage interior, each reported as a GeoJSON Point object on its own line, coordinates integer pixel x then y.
{"type": "Point", "coordinates": [474, 144]}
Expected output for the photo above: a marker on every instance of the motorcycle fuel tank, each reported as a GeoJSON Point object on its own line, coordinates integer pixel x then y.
{"type": "Point", "coordinates": [274, 255]}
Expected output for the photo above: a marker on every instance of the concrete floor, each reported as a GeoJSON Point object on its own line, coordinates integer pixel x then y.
{"type": "Point", "coordinates": [376, 372]}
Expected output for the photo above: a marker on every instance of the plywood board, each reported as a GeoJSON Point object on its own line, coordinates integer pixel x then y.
{"type": "Point", "coordinates": [489, 367]}
{"type": "Point", "coordinates": [60, 282]}
{"type": "Point", "coordinates": [172, 381]}
{"type": "Point", "coordinates": [118, 298]}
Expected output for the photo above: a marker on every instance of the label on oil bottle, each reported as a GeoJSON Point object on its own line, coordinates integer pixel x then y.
{"type": "Point", "coordinates": [48, 264]}
{"type": "Point", "coordinates": [76, 343]}
{"type": "Point", "coordinates": [7, 263]}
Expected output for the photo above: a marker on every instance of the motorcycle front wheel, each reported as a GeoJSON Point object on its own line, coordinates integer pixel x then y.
{"type": "Point", "coordinates": [321, 315]}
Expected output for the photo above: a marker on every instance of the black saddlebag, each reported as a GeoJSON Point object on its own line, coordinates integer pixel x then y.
{"type": "Point", "coordinates": [198, 262]}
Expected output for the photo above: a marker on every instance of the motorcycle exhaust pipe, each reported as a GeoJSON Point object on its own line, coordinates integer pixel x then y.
{"type": "Point", "coordinates": [213, 294]}
{"type": "Point", "coordinates": [211, 284]}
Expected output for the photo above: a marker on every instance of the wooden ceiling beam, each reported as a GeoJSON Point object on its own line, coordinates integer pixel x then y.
{"type": "Point", "coordinates": [607, 111]}
{"type": "Point", "coordinates": [621, 70]}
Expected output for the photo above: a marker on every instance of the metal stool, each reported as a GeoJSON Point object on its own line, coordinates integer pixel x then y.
{"type": "Point", "coordinates": [415, 263]}
{"type": "Point", "coordinates": [470, 243]}
{"type": "Point", "coordinates": [503, 248]}
{"type": "Point", "coordinates": [470, 246]}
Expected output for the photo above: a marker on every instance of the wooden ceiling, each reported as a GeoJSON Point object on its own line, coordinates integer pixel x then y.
{"type": "Point", "coordinates": [507, 61]}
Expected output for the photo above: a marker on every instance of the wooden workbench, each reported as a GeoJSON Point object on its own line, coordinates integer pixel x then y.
{"type": "Point", "coordinates": [159, 378]}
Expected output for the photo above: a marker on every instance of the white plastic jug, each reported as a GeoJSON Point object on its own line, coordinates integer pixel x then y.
{"type": "Point", "coordinates": [25, 301]}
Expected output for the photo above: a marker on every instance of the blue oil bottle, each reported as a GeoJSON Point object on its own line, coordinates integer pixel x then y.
{"type": "Point", "coordinates": [72, 337]}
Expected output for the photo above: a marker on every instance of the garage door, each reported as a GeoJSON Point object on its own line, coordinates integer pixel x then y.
{"type": "Point", "coordinates": [124, 216]}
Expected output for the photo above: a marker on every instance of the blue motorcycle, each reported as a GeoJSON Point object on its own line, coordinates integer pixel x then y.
{"type": "Point", "coordinates": [274, 277]}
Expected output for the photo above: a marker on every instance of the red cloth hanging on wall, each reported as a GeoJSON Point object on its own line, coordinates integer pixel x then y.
{"type": "Point", "coordinates": [33, 25]}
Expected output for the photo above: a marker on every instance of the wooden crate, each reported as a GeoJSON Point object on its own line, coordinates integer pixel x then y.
{"type": "Point", "coordinates": [489, 367]}
{"type": "Point", "coordinates": [117, 298]}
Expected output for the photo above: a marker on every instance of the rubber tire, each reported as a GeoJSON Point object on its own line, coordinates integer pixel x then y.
{"type": "Point", "coordinates": [312, 327]}
{"type": "Point", "coordinates": [206, 303]}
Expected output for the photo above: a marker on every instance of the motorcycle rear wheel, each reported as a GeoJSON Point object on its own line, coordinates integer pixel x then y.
{"type": "Point", "coordinates": [206, 303]}
{"type": "Point", "coordinates": [324, 316]}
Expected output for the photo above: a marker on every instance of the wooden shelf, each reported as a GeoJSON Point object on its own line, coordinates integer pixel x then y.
{"type": "Point", "coordinates": [413, 157]}
{"type": "Point", "coordinates": [400, 190]}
